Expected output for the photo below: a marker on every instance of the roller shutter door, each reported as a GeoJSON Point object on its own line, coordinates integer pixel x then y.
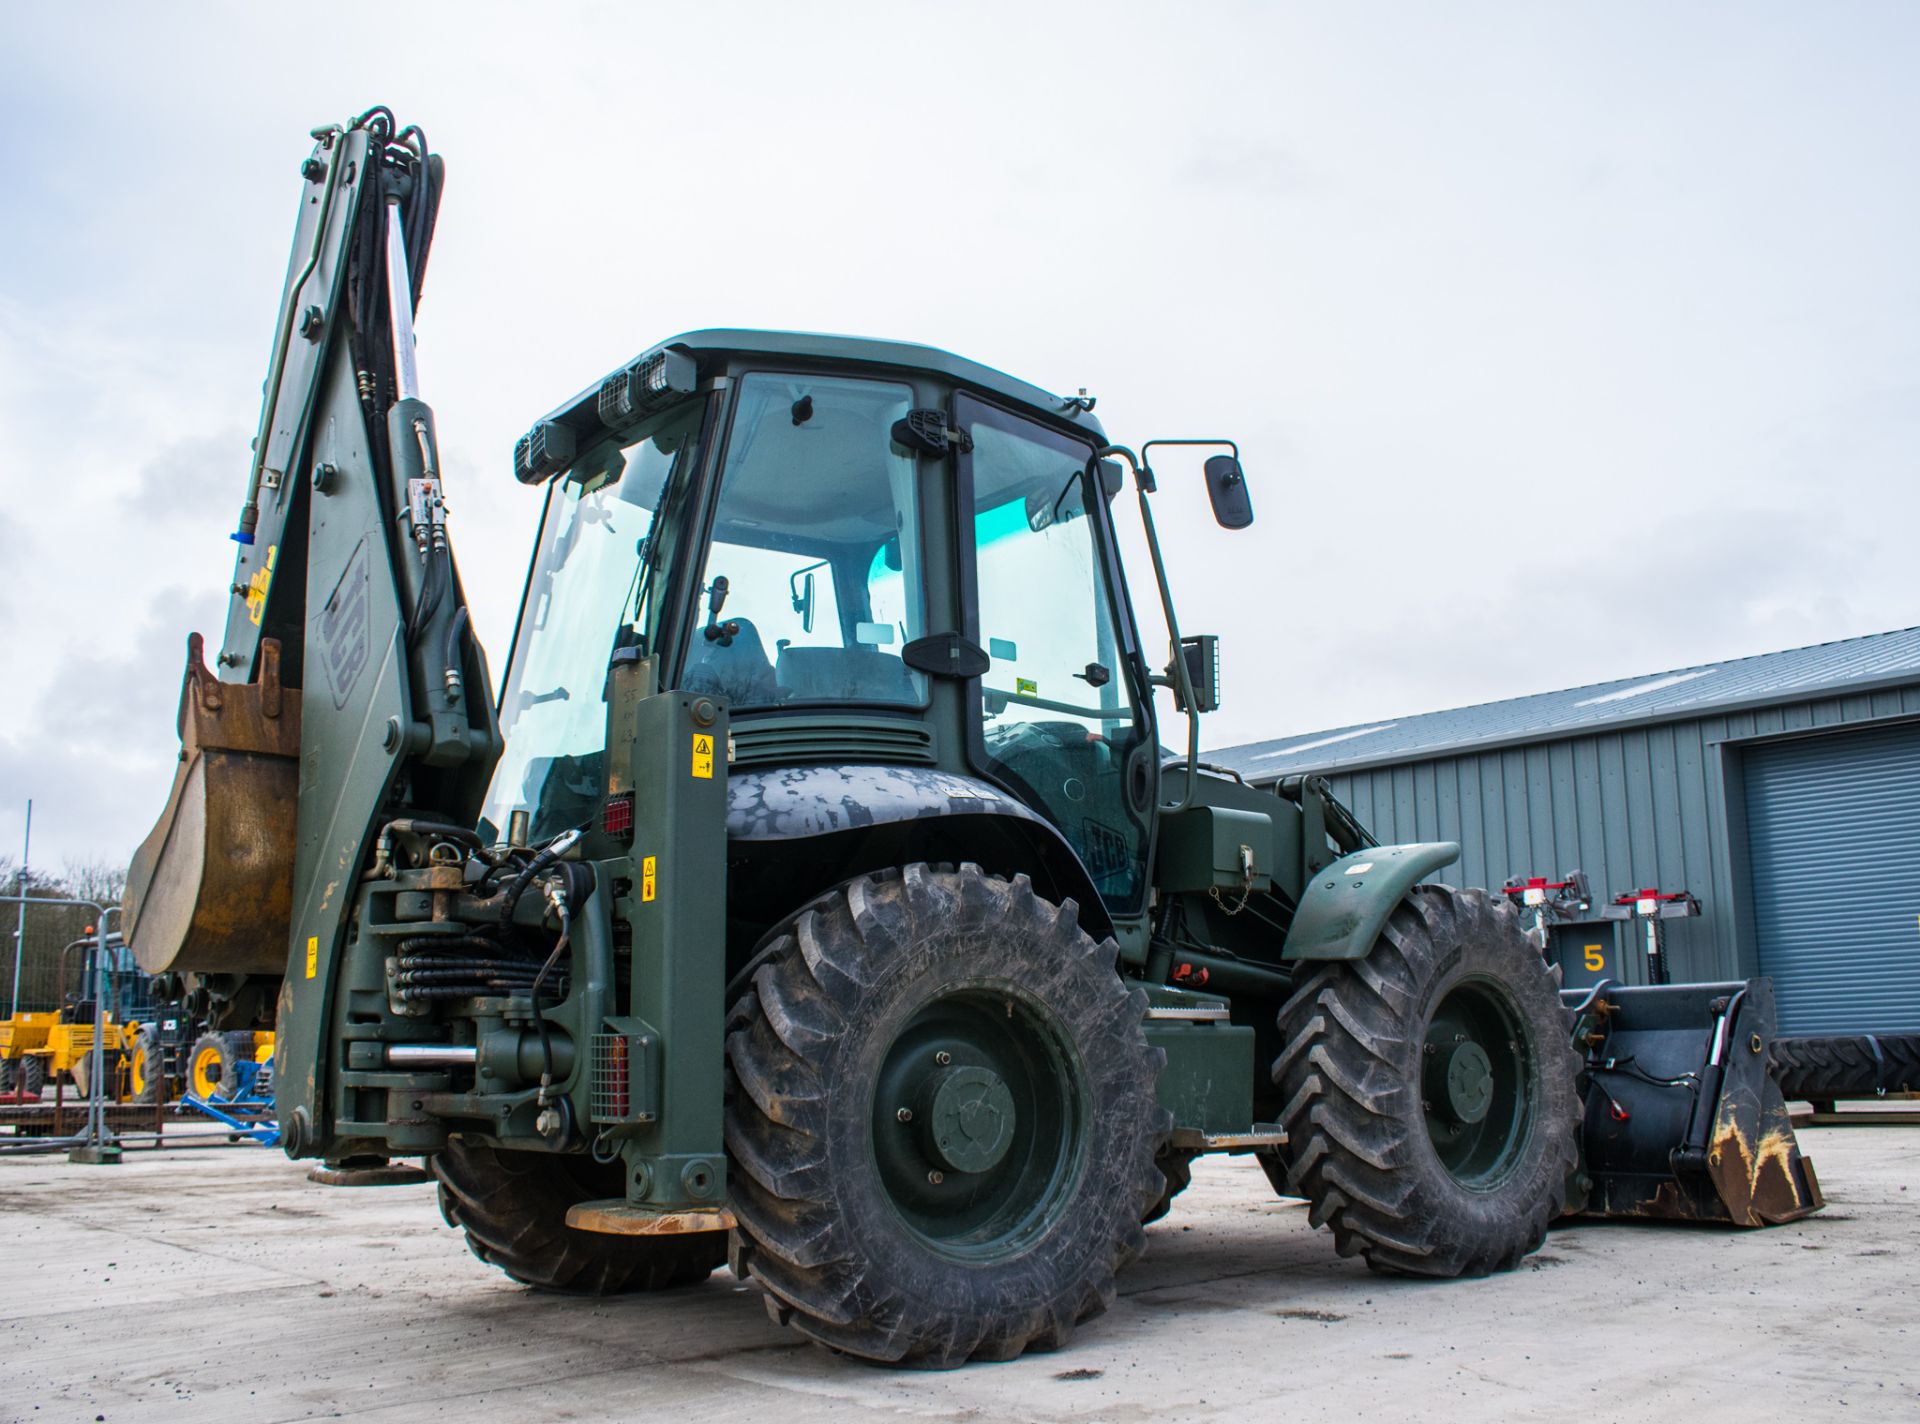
{"type": "Point", "coordinates": [1833, 840]}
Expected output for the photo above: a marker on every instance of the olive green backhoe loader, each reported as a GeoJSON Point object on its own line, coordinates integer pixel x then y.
{"type": "Point", "coordinates": [818, 897]}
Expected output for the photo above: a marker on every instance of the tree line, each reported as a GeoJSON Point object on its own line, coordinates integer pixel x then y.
{"type": "Point", "coordinates": [50, 928]}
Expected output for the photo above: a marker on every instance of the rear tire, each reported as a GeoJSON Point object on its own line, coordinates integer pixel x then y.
{"type": "Point", "coordinates": [1176, 1171]}
{"type": "Point", "coordinates": [1430, 1091]}
{"type": "Point", "coordinates": [513, 1208]}
{"type": "Point", "coordinates": [146, 1072]}
{"type": "Point", "coordinates": [941, 1120]}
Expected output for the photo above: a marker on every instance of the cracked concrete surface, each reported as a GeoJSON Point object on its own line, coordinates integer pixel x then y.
{"type": "Point", "coordinates": [217, 1284]}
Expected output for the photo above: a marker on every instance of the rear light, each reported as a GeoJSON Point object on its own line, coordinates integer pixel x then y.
{"type": "Point", "coordinates": [610, 1094]}
{"type": "Point", "coordinates": [616, 816]}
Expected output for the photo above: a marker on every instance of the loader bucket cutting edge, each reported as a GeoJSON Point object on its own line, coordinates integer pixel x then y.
{"type": "Point", "coordinates": [211, 888]}
{"type": "Point", "coordinates": [1683, 1120]}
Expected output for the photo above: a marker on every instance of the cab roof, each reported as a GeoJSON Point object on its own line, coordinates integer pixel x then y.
{"type": "Point", "coordinates": [821, 346]}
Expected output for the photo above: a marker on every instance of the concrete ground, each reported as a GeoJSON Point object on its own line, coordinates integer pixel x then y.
{"type": "Point", "coordinates": [218, 1284]}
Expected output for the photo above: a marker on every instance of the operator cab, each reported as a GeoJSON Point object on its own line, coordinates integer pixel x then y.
{"type": "Point", "coordinates": [872, 553]}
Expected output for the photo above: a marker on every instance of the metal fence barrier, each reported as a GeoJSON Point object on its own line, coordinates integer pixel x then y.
{"type": "Point", "coordinates": [93, 1126]}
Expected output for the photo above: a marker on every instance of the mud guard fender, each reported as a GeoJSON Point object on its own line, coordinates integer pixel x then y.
{"type": "Point", "coordinates": [939, 813]}
{"type": "Point", "coordinates": [1344, 906]}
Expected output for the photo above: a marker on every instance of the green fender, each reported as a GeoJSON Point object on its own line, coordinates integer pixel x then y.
{"type": "Point", "coordinates": [1346, 904]}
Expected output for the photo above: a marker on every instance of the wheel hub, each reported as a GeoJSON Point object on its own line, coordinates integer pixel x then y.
{"type": "Point", "coordinates": [969, 1118]}
{"type": "Point", "coordinates": [1469, 1083]}
{"type": "Point", "coordinates": [1473, 1082]}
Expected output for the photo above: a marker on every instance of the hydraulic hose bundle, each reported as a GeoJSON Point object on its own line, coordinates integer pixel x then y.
{"type": "Point", "coordinates": [429, 967]}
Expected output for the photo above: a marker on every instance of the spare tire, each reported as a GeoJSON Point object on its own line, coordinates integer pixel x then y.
{"type": "Point", "coordinates": [1854, 1066]}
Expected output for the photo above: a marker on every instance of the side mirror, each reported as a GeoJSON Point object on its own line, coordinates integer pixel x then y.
{"type": "Point", "coordinates": [1227, 488]}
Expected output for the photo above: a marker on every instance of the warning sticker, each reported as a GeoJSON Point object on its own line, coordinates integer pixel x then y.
{"type": "Point", "coordinates": [313, 955]}
{"type": "Point", "coordinates": [703, 755]}
{"type": "Point", "coordinates": [1026, 687]}
{"type": "Point", "coordinates": [649, 877]}
{"type": "Point", "coordinates": [258, 585]}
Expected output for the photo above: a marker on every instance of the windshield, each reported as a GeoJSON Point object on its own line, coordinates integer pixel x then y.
{"type": "Point", "coordinates": [592, 589]}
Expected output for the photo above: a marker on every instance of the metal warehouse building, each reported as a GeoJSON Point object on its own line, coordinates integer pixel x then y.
{"type": "Point", "coordinates": [1783, 791]}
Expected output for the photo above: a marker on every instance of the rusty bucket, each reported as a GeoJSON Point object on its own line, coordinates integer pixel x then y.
{"type": "Point", "coordinates": [210, 891]}
{"type": "Point", "coordinates": [1684, 1121]}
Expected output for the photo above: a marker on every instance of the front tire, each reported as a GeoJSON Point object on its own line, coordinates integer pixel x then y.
{"type": "Point", "coordinates": [1430, 1091]}
{"type": "Point", "coordinates": [513, 1208]}
{"type": "Point", "coordinates": [941, 1120]}
{"type": "Point", "coordinates": [210, 1067]}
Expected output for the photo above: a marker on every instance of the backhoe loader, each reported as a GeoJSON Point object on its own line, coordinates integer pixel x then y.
{"type": "Point", "coordinates": [818, 897]}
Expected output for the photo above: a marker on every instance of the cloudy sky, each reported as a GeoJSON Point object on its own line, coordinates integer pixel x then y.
{"type": "Point", "coordinates": [1563, 342]}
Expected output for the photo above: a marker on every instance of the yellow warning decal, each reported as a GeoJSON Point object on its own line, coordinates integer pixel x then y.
{"type": "Point", "coordinates": [313, 955]}
{"type": "Point", "coordinates": [257, 587]}
{"type": "Point", "coordinates": [649, 877]}
{"type": "Point", "coordinates": [1025, 687]}
{"type": "Point", "coordinates": [703, 755]}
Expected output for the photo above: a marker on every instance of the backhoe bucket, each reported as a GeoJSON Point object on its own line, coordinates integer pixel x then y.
{"type": "Point", "coordinates": [1683, 1121]}
{"type": "Point", "coordinates": [210, 890]}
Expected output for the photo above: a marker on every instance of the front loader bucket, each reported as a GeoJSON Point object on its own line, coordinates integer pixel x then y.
{"type": "Point", "coordinates": [1683, 1121]}
{"type": "Point", "coordinates": [210, 890]}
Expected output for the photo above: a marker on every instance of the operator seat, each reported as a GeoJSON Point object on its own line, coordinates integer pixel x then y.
{"type": "Point", "coordinates": [738, 669]}
{"type": "Point", "coordinates": [857, 674]}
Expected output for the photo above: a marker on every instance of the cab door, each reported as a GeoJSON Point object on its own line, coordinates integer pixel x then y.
{"type": "Point", "coordinates": [1059, 715]}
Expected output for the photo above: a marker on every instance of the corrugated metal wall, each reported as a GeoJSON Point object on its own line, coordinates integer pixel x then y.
{"type": "Point", "coordinates": [1634, 807]}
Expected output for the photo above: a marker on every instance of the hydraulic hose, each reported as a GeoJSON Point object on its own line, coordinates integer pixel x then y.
{"type": "Point", "coordinates": [555, 848]}
{"type": "Point", "coordinates": [539, 982]}
{"type": "Point", "coordinates": [456, 632]}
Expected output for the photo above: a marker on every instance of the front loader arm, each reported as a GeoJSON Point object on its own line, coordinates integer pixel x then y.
{"type": "Point", "coordinates": [348, 679]}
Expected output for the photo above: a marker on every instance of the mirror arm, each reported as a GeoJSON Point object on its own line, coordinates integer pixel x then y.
{"type": "Point", "coordinates": [1180, 680]}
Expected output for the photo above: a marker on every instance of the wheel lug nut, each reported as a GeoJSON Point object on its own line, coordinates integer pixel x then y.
{"type": "Point", "coordinates": [905, 1115]}
{"type": "Point", "coordinates": [943, 1058]}
{"type": "Point", "coordinates": [936, 1177]}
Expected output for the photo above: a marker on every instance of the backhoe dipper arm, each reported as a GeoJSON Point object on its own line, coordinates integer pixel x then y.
{"type": "Point", "coordinates": [348, 680]}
